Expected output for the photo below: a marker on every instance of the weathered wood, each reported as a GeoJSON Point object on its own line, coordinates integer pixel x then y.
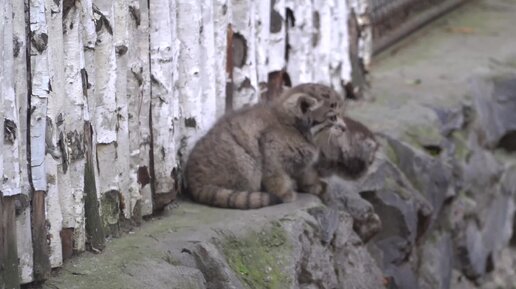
{"type": "Point", "coordinates": [38, 92]}
{"type": "Point", "coordinates": [3, 246]}
{"type": "Point", "coordinates": [106, 114]}
{"type": "Point", "coordinates": [56, 156]}
{"type": "Point", "coordinates": [23, 218]}
{"type": "Point", "coordinates": [221, 18]}
{"type": "Point", "coordinates": [300, 22]}
{"type": "Point", "coordinates": [128, 191]}
{"type": "Point", "coordinates": [94, 227]}
{"type": "Point", "coordinates": [229, 69]}
{"type": "Point", "coordinates": [40, 237]}
{"type": "Point", "coordinates": [354, 88]}
{"type": "Point", "coordinates": [322, 41]}
{"type": "Point", "coordinates": [111, 211]}
{"type": "Point", "coordinates": [246, 89]}
{"type": "Point", "coordinates": [138, 88]}
{"type": "Point", "coordinates": [166, 120]}
{"type": "Point", "coordinates": [9, 276]}
{"type": "Point", "coordinates": [66, 236]}
{"type": "Point", "coordinates": [277, 80]}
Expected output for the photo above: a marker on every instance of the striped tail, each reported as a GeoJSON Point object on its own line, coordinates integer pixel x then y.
{"type": "Point", "coordinates": [226, 198]}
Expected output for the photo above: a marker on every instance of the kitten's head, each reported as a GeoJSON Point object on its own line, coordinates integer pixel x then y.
{"type": "Point", "coordinates": [313, 107]}
{"type": "Point", "coordinates": [348, 153]}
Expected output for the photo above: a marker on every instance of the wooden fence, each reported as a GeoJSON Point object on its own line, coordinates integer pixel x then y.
{"type": "Point", "coordinates": [102, 100]}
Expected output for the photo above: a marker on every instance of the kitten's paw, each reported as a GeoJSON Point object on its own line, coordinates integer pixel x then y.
{"type": "Point", "coordinates": [315, 189]}
{"type": "Point", "coordinates": [289, 197]}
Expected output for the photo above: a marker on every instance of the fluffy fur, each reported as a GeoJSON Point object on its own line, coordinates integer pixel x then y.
{"type": "Point", "coordinates": [255, 157]}
{"type": "Point", "coordinates": [347, 154]}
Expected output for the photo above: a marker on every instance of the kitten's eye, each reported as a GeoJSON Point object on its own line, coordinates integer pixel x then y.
{"type": "Point", "coordinates": [333, 105]}
{"type": "Point", "coordinates": [333, 118]}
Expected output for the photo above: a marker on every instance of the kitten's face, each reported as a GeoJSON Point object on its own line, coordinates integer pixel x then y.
{"type": "Point", "coordinates": [315, 107]}
{"type": "Point", "coordinates": [347, 153]}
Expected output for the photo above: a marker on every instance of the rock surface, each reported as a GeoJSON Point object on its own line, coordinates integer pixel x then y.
{"type": "Point", "coordinates": [298, 245]}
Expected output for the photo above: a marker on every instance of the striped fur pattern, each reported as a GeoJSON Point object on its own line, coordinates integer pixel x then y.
{"type": "Point", "coordinates": [254, 157]}
{"type": "Point", "coordinates": [347, 154]}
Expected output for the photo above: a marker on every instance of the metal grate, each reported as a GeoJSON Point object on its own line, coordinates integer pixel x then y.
{"type": "Point", "coordinates": [393, 19]}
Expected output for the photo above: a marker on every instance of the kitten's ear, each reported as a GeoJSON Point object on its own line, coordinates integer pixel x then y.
{"type": "Point", "coordinates": [301, 103]}
{"type": "Point", "coordinates": [306, 103]}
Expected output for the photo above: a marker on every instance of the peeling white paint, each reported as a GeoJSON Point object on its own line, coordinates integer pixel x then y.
{"type": "Point", "coordinates": [10, 184]}
{"type": "Point", "coordinates": [245, 80]}
{"type": "Point", "coordinates": [138, 92]}
{"type": "Point", "coordinates": [277, 39]}
{"type": "Point", "coordinates": [322, 49]}
{"type": "Point", "coordinates": [164, 48]}
{"type": "Point", "coordinates": [40, 91]}
{"type": "Point", "coordinates": [70, 173]}
{"type": "Point", "coordinates": [23, 220]}
{"type": "Point", "coordinates": [197, 107]}
{"type": "Point", "coordinates": [360, 7]}
{"type": "Point", "coordinates": [24, 245]}
{"type": "Point", "coordinates": [2, 29]}
{"type": "Point", "coordinates": [57, 109]}
{"type": "Point", "coordinates": [221, 19]}
{"type": "Point", "coordinates": [300, 36]}
{"type": "Point", "coordinates": [121, 10]}
{"type": "Point", "coordinates": [262, 23]}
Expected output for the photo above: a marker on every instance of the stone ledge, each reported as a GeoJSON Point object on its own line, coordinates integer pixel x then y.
{"type": "Point", "coordinates": [201, 247]}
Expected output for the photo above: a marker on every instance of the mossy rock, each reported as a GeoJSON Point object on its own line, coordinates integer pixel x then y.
{"type": "Point", "coordinates": [259, 258]}
{"type": "Point", "coordinates": [425, 137]}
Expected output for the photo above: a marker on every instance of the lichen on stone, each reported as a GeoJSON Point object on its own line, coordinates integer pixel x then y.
{"type": "Point", "coordinates": [258, 258]}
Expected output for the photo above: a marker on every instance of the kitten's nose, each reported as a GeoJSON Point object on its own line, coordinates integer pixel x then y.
{"type": "Point", "coordinates": [342, 125]}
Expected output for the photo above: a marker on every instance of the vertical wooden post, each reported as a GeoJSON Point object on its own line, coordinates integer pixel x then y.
{"type": "Point", "coordinates": [39, 237]}
{"type": "Point", "coordinates": [9, 253]}
{"type": "Point", "coordinates": [229, 69]}
{"type": "Point", "coordinates": [94, 228]}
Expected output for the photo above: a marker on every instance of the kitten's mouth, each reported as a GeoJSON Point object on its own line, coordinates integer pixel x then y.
{"type": "Point", "coordinates": [317, 127]}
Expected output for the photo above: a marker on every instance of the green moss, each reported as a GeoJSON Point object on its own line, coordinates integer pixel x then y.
{"type": "Point", "coordinates": [462, 151]}
{"type": "Point", "coordinates": [423, 136]}
{"type": "Point", "coordinates": [393, 185]}
{"type": "Point", "coordinates": [390, 152]}
{"type": "Point", "coordinates": [259, 258]}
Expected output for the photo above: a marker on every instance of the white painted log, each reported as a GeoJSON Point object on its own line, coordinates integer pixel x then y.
{"type": "Point", "coordinates": [2, 44]}
{"type": "Point", "coordinates": [245, 90]}
{"type": "Point", "coordinates": [40, 92]}
{"type": "Point", "coordinates": [209, 111]}
{"type": "Point", "coordinates": [322, 47]}
{"type": "Point", "coordinates": [89, 39]}
{"type": "Point", "coordinates": [138, 88]}
{"type": "Point", "coordinates": [277, 41]}
{"type": "Point", "coordinates": [195, 85]}
{"type": "Point", "coordinates": [164, 48]}
{"type": "Point", "coordinates": [72, 110]}
{"type": "Point", "coordinates": [24, 246]}
{"type": "Point", "coordinates": [120, 38]}
{"type": "Point", "coordinates": [361, 7]}
{"type": "Point", "coordinates": [57, 110]}
{"type": "Point", "coordinates": [262, 29]}
{"type": "Point", "coordinates": [10, 185]}
{"type": "Point", "coordinates": [221, 17]}
{"type": "Point", "coordinates": [340, 64]}
{"type": "Point", "coordinates": [23, 221]}
{"type": "Point", "coordinates": [300, 40]}
{"type": "Point", "coordinates": [105, 97]}
{"type": "Point", "coordinates": [342, 49]}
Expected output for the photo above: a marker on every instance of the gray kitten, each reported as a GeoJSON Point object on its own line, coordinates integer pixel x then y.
{"type": "Point", "coordinates": [255, 157]}
{"type": "Point", "coordinates": [347, 154]}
